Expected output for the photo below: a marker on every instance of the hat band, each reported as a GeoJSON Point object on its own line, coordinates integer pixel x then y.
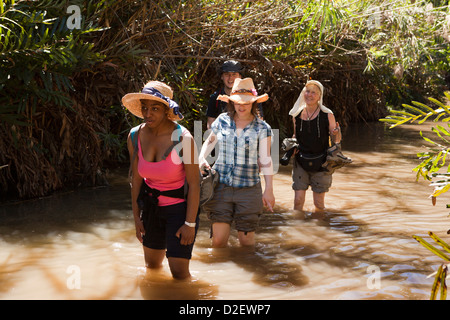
{"type": "Point", "coordinates": [251, 92]}
{"type": "Point", "coordinates": [172, 104]}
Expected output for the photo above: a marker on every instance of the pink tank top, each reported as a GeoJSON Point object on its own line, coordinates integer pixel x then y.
{"type": "Point", "coordinates": [167, 174]}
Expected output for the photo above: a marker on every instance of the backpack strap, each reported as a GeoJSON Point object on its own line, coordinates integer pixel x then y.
{"type": "Point", "coordinates": [134, 134]}
{"type": "Point", "coordinates": [179, 133]}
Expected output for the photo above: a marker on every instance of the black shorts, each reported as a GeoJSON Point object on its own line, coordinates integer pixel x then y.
{"type": "Point", "coordinates": [161, 227]}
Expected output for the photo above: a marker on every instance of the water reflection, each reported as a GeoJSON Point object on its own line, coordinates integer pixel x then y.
{"type": "Point", "coordinates": [159, 285]}
{"type": "Point", "coordinates": [374, 207]}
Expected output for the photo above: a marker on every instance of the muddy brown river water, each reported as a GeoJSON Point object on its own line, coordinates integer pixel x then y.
{"type": "Point", "coordinates": [81, 245]}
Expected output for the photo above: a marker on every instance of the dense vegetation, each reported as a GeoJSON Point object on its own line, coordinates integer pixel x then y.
{"type": "Point", "coordinates": [61, 121]}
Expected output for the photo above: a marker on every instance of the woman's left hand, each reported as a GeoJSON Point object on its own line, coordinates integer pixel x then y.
{"type": "Point", "coordinates": [268, 200]}
{"type": "Point", "coordinates": [186, 235]}
{"type": "Point", "coordinates": [337, 129]}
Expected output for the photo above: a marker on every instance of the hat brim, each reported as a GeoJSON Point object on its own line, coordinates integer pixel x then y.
{"type": "Point", "coordinates": [243, 98]}
{"type": "Point", "coordinates": [132, 101]}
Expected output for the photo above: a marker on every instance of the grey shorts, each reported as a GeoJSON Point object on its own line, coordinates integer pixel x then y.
{"type": "Point", "coordinates": [319, 181]}
{"type": "Point", "coordinates": [241, 205]}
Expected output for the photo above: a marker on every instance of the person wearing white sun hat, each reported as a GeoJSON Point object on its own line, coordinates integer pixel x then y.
{"type": "Point", "coordinates": [169, 220]}
{"type": "Point", "coordinates": [314, 125]}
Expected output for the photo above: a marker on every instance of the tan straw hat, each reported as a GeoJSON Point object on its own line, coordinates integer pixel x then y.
{"type": "Point", "coordinates": [243, 92]}
{"type": "Point", "coordinates": [153, 90]}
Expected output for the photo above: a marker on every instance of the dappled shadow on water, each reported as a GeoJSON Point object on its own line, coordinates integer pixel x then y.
{"type": "Point", "coordinates": [158, 285]}
{"type": "Point", "coordinates": [290, 241]}
{"type": "Point", "coordinates": [262, 261]}
{"type": "Point", "coordinates": [372, 206]}
{"type": "Point", "coordinates": [277, 258]}
{"type": "Point", "coordinates": [287, 241]}
{"type": "Point", "coordinates": [43, 223]}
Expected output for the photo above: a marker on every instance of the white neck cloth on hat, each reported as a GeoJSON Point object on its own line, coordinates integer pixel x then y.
{"type": "Point", "coordinates": [300, 104]}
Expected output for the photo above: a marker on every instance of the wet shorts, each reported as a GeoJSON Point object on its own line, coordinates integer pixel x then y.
{"type": "Point", "coordinates": [319, 181]}
{"type": "Point", "coordinates": [161, 227]}
{"type": "Point", "coordinates": [241, 205]}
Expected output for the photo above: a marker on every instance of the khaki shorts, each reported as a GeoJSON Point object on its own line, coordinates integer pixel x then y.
{"type": "Point", "coordinates": [241, 205]}
{"type": "Point", "coordinates": [319, 181]}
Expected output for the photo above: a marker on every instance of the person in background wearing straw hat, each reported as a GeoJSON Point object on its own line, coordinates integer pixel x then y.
{"type": "Point", "coordinates": [314, 125]}
{"type": "Point", "coordinates": [243, 142]}
{"type": "Point", "coordinates": [168, 223]}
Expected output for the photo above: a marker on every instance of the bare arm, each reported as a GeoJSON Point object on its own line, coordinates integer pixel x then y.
{"type": "Point", "coordinates": [293, 120]}
{"type": "Point", "coordinates": [334, 128]}
{"type": "Point", "coordinates": [190, 160]}
{"type": "Point", "coordinates": [207, 147]}
{"type": "Point", "coordinates": [209, 122]}
{"type": "Point", "coordinates": [136, 183]}
{"type": "Point", "coordinates": [266, 165]}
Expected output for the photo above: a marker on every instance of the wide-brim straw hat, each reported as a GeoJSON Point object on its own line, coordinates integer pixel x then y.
{"type": "Point", "coordinates": [153, 90]}
{"type": "Point", "coordinates": [243, 92]}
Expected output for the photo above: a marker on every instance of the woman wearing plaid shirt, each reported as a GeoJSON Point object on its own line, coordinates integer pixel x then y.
{"type": "Point", "coordinates": [243, 142]}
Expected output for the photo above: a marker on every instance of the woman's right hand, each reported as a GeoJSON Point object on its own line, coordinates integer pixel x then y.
{"type": "Point", "coordinates": [203, 164]}
{"type": "Point", "coordinates": [140, 231]}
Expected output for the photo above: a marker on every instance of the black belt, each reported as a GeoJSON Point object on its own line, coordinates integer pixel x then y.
{"type": "Point", "coordinates": [149, 196]}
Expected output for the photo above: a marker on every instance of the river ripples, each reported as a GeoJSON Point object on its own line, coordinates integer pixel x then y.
{"type": "Point", "coordinates": [81, 245]}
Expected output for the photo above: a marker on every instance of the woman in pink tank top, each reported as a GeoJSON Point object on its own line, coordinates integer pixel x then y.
{"type": "Point", "coordinates": [167, 225]}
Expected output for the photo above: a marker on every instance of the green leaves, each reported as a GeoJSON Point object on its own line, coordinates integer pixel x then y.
{"type": "Point", "coordinates": [432, 162]}
{"type": "Point", "coordinates": [432, 248]}
{"type": "Point", "coordinates": [435, 159]}
{"type": "Point", "coordinates": [441, 274]}
{"type": "Point", "coordinates": [322, 15]}
{"type": "Point", "coordinates": [38, 56]}
{"type": "Point", "coordinates": [419, 112]}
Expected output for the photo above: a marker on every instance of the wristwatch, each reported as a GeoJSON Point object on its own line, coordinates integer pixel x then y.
{"type": "Point", "coordinates": [190, 224]}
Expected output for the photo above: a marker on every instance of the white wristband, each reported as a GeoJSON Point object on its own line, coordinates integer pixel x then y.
{"type": "Point", "coordinates": [190, 224]}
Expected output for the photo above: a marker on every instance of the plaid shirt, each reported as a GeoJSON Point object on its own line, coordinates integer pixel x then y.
{"type": "Point", "coordinates": [237, 156]}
